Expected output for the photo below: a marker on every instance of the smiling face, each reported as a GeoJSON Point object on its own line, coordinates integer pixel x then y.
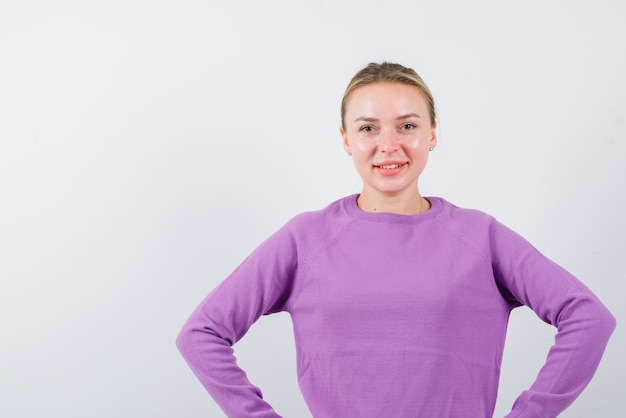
{"type": "Point", "coordinates": [388, 131]}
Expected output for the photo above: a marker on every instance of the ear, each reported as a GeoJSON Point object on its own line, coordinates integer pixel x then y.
{"type": "Point", "coordinates": [344, 137]}
{"type": "Point", "coordinates": [433, 137]}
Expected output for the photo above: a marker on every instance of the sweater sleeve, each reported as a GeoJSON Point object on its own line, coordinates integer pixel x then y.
{"type": "Point", "coordinates": [584, 325]}
{"type": "Point", "coordinates": [260, 285]}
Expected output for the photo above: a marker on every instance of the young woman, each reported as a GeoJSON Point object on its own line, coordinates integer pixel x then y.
{"type": "Point", "coordinates": [399, 303]}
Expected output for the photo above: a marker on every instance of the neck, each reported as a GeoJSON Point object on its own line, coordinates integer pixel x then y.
{"type": "Point", "coordinates": [411, 204]}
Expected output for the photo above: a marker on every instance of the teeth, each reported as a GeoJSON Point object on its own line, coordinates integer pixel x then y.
{"type": "Point", "coordinates": [390, 166]}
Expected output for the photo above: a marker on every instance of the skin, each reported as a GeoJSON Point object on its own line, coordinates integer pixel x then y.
{"type": "Point", "coordinates": [388, 124]}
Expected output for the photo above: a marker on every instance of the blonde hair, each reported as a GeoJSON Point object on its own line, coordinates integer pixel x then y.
{"type": "Point", "coordinates": [391, 73]}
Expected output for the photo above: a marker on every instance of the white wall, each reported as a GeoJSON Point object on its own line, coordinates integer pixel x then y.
{"type": "Point", "coordinates": [146, 147]}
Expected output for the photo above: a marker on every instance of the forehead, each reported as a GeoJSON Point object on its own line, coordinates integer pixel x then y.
{"type": "Point", "coordinates": [385, 95]}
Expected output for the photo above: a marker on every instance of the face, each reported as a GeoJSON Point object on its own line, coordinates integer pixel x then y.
{"type": "Point", "coordinates": [388, 132]}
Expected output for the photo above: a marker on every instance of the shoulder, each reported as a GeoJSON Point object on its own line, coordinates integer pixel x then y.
{"type": "Point", "coordinates": [331, 215]}
{"type": "Point", "coordinates": [459, 218]}
{"type": "Point", "coordinates": [314, 227]}
{"type": "Point", "coordinates": [480, 229]}
{"type": "Point", "coordinates": [474, 227]}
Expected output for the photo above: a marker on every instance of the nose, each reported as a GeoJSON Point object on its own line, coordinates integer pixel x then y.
{"type": "Point", "coordinates": [389, 141]}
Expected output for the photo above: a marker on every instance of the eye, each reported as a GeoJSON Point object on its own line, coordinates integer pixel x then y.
{"type": "Point", "coordinates": [408, 126]}
{"type": "Point", "coordinates": [367, 128]}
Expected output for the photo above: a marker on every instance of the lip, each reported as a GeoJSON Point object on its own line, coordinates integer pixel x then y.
{"type": "Point", "coordinates": [400, 166]}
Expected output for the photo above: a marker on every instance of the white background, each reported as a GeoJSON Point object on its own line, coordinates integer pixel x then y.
{"type": "Point", "coordinates": [146, 147]}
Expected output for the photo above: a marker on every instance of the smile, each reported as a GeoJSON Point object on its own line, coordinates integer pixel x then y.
{"type": "Point", "coordinates": [389, 166]}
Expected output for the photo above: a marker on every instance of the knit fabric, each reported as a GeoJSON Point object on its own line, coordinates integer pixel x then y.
{"type": "Point", "coordinates": [398, 316]}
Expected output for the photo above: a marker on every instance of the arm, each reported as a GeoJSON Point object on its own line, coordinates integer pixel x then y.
{"type": "Point", "coordinates": [260, 285]}
{"type": "Point", "coordinates": [583, 324]}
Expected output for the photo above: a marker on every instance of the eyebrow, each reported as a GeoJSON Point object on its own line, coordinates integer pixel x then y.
{"type": "Point", "coordinates": [401, 117]}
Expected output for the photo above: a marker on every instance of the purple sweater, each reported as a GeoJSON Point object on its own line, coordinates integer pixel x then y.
{"type": "Point", "coordinates": [398, 316]}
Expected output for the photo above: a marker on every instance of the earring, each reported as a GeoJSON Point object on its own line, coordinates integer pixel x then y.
{"type": "Point", "coordinates": [349, 154]}
{"type": "Point", "coordinates": [430, 149]}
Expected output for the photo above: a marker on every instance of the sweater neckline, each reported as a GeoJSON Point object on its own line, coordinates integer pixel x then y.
{"type": "Point", "coordinates": [351, 207]}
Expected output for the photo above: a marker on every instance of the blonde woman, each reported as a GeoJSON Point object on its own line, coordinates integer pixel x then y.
{"type": "Point", "coordinates": [399, 302]}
